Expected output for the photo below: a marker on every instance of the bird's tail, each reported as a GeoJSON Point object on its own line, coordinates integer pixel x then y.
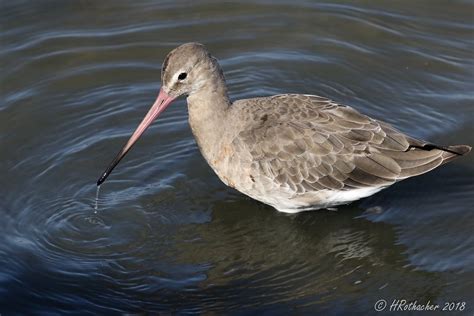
{"type": "Point", "coordinates": [453, 152]}
{"type": "Point", "coordinates": [421, 158]}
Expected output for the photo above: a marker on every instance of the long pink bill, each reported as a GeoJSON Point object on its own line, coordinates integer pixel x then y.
{"type": "Point", "coordinates": [161, 103]}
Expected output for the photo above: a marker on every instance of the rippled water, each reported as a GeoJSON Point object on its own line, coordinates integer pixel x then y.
{"type": "Point", "coordinates": [77, 77]}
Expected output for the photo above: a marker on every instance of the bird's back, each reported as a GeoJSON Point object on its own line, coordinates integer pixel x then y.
{"type": "Point", "coordinates": [299, 152]}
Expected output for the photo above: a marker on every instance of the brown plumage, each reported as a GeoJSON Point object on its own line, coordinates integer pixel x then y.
{"type": "Point", "coordinates": [306, 143]}
{"type": "Point", "coordinates": [292, 151]}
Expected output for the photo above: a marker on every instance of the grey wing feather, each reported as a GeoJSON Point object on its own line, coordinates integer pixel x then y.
{"type": "Point", "coordinates": [308, 143]}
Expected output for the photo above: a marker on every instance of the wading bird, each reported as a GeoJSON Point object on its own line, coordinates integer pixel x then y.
{"type": "Point", "coordinates": [294, 152]}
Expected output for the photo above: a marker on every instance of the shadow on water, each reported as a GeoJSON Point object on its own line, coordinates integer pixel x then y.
{"type": "Point", "coordinates": [238, 255]}
{"type": "Point", "coordinates": [246, 257]}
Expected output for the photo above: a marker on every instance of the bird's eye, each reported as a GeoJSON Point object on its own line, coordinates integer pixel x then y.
{"type": "Point", "coordinates": [182, 76]}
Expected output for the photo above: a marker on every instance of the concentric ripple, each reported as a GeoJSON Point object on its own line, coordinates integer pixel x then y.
{"type": "Point", "coordinates": [168, 237]}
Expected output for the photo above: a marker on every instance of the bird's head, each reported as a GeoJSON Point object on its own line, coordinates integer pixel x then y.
{"type": "Point", "coordinates": [185, 70]}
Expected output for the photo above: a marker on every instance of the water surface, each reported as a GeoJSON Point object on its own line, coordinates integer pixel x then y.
{"type": "Point", "coordinates": [76, 79]}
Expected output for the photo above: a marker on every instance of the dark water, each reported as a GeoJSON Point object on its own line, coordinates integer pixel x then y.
{"type": "Point", "coordinates": [77, 77]}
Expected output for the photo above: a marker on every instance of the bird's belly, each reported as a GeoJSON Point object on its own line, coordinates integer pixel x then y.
{"type": "Point", "coordinates": [316, 200]}
{"type": "Point", "coordinates": [240, 174]}
{"type": "Point", "coordinates": [284, 200]}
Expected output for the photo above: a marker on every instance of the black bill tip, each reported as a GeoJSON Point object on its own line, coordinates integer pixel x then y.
{"type": "Point", "coordinates": [102, 178]}
{"type": "Point", "coordinates": [112, 165]}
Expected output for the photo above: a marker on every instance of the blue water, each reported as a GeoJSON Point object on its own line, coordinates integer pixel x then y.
{"type": "Point", "coordinates": [168, 236]}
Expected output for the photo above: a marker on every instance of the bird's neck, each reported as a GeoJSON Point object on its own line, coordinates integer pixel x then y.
{"type": "Point", "coordinates": [208, 116]}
